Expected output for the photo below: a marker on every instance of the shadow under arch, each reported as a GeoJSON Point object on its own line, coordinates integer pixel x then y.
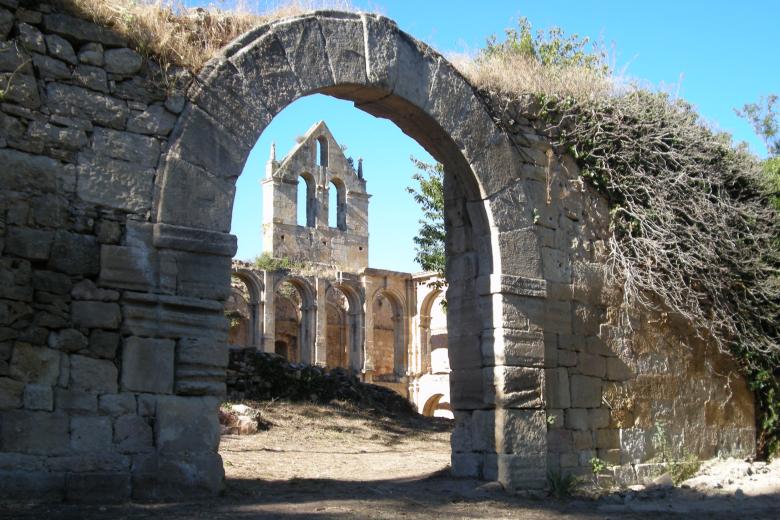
{"type": "Point", "coordinates": [385, 72]}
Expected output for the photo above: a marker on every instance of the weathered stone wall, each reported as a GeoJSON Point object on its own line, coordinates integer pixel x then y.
{"type": "Point", "coordinates": [93, 405]}
{"type": "Point", "coordinates": [608, 390]}
{"type": "Point", "coordinates": [115, 254]}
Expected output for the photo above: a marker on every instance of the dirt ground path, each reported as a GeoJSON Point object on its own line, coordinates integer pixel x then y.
{"type": "Point", "coordinates": [325, 462]}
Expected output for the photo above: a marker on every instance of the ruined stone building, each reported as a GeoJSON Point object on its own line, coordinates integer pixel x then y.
{"type": "Point", "coordinates": [326, 305]}
{"type": "Point", "coordinates": [116, 200]}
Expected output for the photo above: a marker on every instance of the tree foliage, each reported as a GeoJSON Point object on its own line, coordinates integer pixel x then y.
{"type": "Point", "coordinates": [429, 194]}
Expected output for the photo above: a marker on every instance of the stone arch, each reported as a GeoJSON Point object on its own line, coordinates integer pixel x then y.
{"type": "Point", "coordinates": [355, 323]}
{"type": "Point", "coordinates": [399, 329]}
{"type": "Point", "coordinates": [494, 256]}
{"type": "Point", "coordinates": [256, 302]}
{"type": "Point", "coordinates": [307, 316]}
{"type": "Point", "coordinates": [341, 203]}
{"type": "Point", "coordinates": [310, 199]}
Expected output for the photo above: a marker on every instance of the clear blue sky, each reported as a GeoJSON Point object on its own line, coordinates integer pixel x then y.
{"type": "Point", "coordinates": [717, 54]}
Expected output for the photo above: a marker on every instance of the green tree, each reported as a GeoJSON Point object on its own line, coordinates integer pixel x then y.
{"type": "Point", "coordinates": [765, 119]}
{"type": "Point", "coordinates": [429, 194]}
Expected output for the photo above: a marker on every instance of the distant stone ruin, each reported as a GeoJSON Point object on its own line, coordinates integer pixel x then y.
{"type": "Point", "coordinates": [330, 308]}
{"type": "Point", "coordinates": [116, 261]}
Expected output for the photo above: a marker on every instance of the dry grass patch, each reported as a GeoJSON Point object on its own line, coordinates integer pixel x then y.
{"type": "Point", "coordinates": [175, 35]}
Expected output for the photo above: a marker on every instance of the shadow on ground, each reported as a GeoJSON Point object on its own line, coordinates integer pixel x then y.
{"type": "Point", "coordinates": [433, 496]}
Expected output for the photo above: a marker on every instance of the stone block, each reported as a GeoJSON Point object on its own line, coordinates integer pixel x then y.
{"type": "Point", "coordinates": [186, 424]}
{"type": "Point", "coordinates": [97, 376]}
{"type": "Point", "coordinates": [466, 465]}
{"type": "Point", "coordinates": [577, 419]}
{"type": "Point", "coordinates": [592, 365]}
{"type": "Point", "coordinates": [517, 387]}
{"type": "Point", "coordinates": [86, 290]}
{"type": "Point", "coordinates": [461, 438]}
{"type": "Point", "coordinates": [39, 397]}
{"type": "Point", "coordinates": [33, 244]}
{"type": "Point", "coordinates": [50, 68]}
{"type": "Point", "coordinates": [115, 183]}
{"type": "Point", "coordinates": [103, 462]}
{"type": "Point", "coordinates": [608, 438]}
{"type": "Point", "coordinates": [557, 388]}
{"type": "Point", "coordinates": [147, 405]}
{"type": "Point", "coordinates": [39, 485]}
{"type": "Point", "coordinates": [155, 120]}
{"type": "Point", "coordinates": [521, 432]}
{"type": "Point", "coordinates": [91, 54]}
{"type": "Point", "coordinates": [101, 315]}
{"type": "Point", "coordinates": [555, 419]}
{"type": "Point", "coordinates": [174, 476]}
{"type": "Point", "coordinates": [585, 391]}
{"type": "Point", "coordinates": [117, 404]}
{"type": "Point", "coordinates": [557, 265]}
{"type": "Point", "coordinates": [559, 441]}
{"type": "Point", "coordinates": [466, 389]}
{"type": "Point", "coordinates": [127, 146]}
{"type": "Point", "coordinates": [74, 400]}
{"type": "Point", "coordinates": [21, 89]}
{"type": "Point", "coordinates": [27, 172]}
{"type": "Point", "coordinates": [103, 344]}
{"type": "Point", "coordinates": [201, 352]}
{"type": "Point", "coordinates": [598, 418]}
{"type": "Point", "coordinates": [94, 78]}
{"type": "Point", "coordinates": [31, 432]}
{"type": "Point", "coordinates": [67, 340]}
{"type": "Point", "coordinates": [515, 472]}
{"type": "Point", "coordinates": [147, 365]}
{"type": "Point", "coordinates": [125, 267]}
{"type": "Point", "coordinates": [98, 488]}
{"type": "Point", "coordinates": [35, 364]}
{"type": "Point", "coordinates": [81, 30]}
{"type": "Point", "coordinates": [122, 61]}
{"type": "Point", "coordinates": [567, 358]}
{"type": "Point", "coordinates": [132, 434]}
{"type": "Point", "coordinates": [11, 392]}
{"type": "Point", "coordinates": [90, 433]}
{"type": "Point", "coordinates": [51, 282]}
{"type": "Point", "coordinates": [69, 100]}
{"type": "Point", "coordinates": [617, 370]}
{"type": "Point", "coordinates": [583, 440]}
{"type": "Point", "coordinates": [60, 48]}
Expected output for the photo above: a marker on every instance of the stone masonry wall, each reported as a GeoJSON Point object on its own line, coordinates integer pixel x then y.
{"type": "Point", "coordinates": [114, 268]}
{"type": "Point", "coordinates": [608, 392]}
{"type": "Point", "coordinates": [90, 406]}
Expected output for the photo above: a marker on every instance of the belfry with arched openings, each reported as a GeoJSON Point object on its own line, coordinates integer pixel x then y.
{"type": "Point", "coordinates": [314, 299]}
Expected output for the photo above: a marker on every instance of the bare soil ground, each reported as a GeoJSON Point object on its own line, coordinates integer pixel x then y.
{"type": "Point", "coordinates": [323, 461]}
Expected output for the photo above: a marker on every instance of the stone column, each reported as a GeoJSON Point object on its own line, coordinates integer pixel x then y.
{"type": "Point", "coordinates": [321, 334]}
{"type": "Point", "coordinates": [269, 313]}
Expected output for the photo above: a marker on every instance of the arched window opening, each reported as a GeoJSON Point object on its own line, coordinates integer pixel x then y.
{"type": "Point", "coordinates": [322, 151]}
{"type": "Point", "coordinates": [305, 202]}
{"type": "Point", "coordinates": [337, 205]}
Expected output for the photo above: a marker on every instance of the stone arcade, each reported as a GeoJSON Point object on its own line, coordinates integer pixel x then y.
{"type": "Point", "coordinates": [333, 309]}
{"type": "Point", "coordinates": [115, 250]}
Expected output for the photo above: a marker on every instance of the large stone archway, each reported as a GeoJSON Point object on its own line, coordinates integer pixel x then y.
{"type": "Point", "coordinates": [497, 376]}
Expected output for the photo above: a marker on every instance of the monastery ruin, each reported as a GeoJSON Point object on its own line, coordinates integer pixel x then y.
{"type": "Point", "coordinates": [116, 262]}
{"type": "Point", "coordinates": [332, 309]}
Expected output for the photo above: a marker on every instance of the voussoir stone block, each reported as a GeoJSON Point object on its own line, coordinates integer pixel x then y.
{"type": "Point", "coordinates": [147, 365]}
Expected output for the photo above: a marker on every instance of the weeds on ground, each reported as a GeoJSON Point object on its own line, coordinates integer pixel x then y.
{"type": "Point", "coordinates": [680, 467]}
{"type": "Point", "coordinates": [562, 486]}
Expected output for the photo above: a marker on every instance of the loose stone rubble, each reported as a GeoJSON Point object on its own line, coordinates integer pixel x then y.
{"type": "Point", "coordinates": [115, 263]}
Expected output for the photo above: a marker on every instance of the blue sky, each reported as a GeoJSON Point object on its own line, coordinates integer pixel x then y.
{"type": "Point", "coordinates": [716, 54]}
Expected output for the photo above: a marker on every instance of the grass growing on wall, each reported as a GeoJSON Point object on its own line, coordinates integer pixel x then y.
{"type": "Point", "coordinates": [187, 37]}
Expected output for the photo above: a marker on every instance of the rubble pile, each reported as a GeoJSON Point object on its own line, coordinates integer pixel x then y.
{"type": "Point", "coordinates": [264, 376]}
